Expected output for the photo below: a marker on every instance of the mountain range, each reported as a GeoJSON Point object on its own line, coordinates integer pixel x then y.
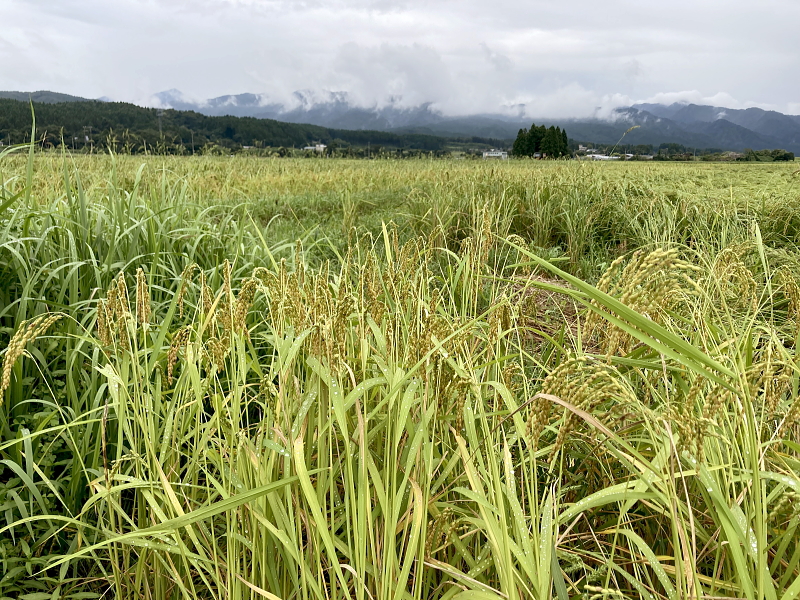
{"type": "Point", "coordinates": [688, 124]}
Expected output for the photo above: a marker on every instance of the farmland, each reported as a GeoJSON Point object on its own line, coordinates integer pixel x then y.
{"type": "Point", "coordinates": [307, 378]}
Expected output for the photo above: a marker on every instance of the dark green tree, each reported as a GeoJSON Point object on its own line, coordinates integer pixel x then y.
{"type": "Point", "coordinates": [536, 138]}
{"type": "Point", "coordinates": [551, 143]}
{"type": "Point", "coordinates": [782, 155]}
{"type": "Point", "coordinates": [520, 147]}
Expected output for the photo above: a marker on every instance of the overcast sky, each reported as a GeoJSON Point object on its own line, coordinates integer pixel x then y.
{"type": "Point", "coordinates": [558, 58]}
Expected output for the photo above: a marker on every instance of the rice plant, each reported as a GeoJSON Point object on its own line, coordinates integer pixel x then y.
{"type": "Point", "coordinates": [231, 378]}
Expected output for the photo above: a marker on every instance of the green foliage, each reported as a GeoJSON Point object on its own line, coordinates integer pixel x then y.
{"type": "Point", "coordinates": [549, 142]}
{"type": "Point", "coordinates": [767, 156]}
{"type": "Point", "coordinates": [129, 129]}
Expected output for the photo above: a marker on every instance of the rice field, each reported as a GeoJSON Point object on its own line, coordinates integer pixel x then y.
{"type": "Point", "coordinates": [239, 378]}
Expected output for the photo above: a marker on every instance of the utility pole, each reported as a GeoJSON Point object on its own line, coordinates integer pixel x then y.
{"type": "Point", "coordinates": [159, 112]}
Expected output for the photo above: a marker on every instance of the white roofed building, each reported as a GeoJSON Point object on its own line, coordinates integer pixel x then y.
{"type": "Point", "coordinates": [497, 154]}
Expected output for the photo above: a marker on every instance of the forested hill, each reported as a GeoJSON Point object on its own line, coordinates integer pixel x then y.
{"type": "Point", "coordinates": [135, 129]}
{"type": "Point", "coordinates": [43, 96]}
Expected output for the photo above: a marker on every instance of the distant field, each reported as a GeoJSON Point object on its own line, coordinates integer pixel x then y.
{"type": "Point", "coordinates": [322, 196]}
{"type": "Point", "coordinates": [271, 378]}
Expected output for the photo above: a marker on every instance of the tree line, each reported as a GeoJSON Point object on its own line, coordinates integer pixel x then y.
{"type": "Point", "coordinates": [131, 129]}
{"type": "Point", "coordinates": [678, 152]}
{"type": "Point", "coordinates": [546, 142]}
{"type": "Point", "coordinates": [777, 155]}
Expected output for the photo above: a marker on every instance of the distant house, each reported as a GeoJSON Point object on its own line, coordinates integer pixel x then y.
{"type": "Point", "coordinates": [601, 157]}
{"type": "Point", "coordinates": [316, 147]}
{"type": "Point", "coordinates": [498, 154]}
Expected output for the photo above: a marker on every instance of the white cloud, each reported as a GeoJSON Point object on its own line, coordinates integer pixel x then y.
{"type": "Point", "coordinates": [500, 61]}
{"type": "Point", "coordinates": [563, 59]}
{"type": "Point", "coordinates": [413, 74]}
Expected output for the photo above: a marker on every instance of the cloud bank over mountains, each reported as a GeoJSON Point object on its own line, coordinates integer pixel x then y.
{"type": "Point", "coordinates": [576, 59]}
{"type": "Point", "coordinates": [682, 122]}
{"type": "Point", "coordinates": [571, 102]}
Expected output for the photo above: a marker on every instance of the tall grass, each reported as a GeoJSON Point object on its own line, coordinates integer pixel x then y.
{"type": "Point", "coordinates": [424, 409]}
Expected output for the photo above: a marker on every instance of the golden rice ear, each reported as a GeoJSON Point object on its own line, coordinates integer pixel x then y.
{"type": "Point", "coordinates": [102, 324]}
{"type": "Point", "coordinates": [650, 283]}
{"type": "Point", "coordinates": [186, 277]}
{"type": "Point", "coordinates": [114, 312]}
{"type": "Point", "coordinates": [179, 341]}
{"type": "Point", "coordinates": [440, 530]}
{"type": "Point", "coordinates": [695, 415]}
{"type": "Point", "coordinates": [206, 297]}
{"type": "Point", "coordinates": [583, 382]}
{"type": "Point", "coordinates": [244, 300]}
{"type": "Point", "coordinates": [538, 418]}
{"type": "Point", "coordinates": [790, 288]}
{"type": "Point", "coordinates": [143, 308]}
{"type": "Point", "coordinates": [485, 237]}
{"type": "Point", "coordinates": [734, 281]}
{"type": "Point", "coordinates": [226, 277]}
{"type": "Point", "coordinates": [27, 332]}
{"type": "Point", "coordinates": [501, 318]}
{"type": "Point", "coordinates": [112, 299]}
{"type": "Point", "coordinates": [215, 351]}
{"type": "Point", "coordinates": [770, 375]}
{"type": "Point", "coordinates": [124, 306]}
